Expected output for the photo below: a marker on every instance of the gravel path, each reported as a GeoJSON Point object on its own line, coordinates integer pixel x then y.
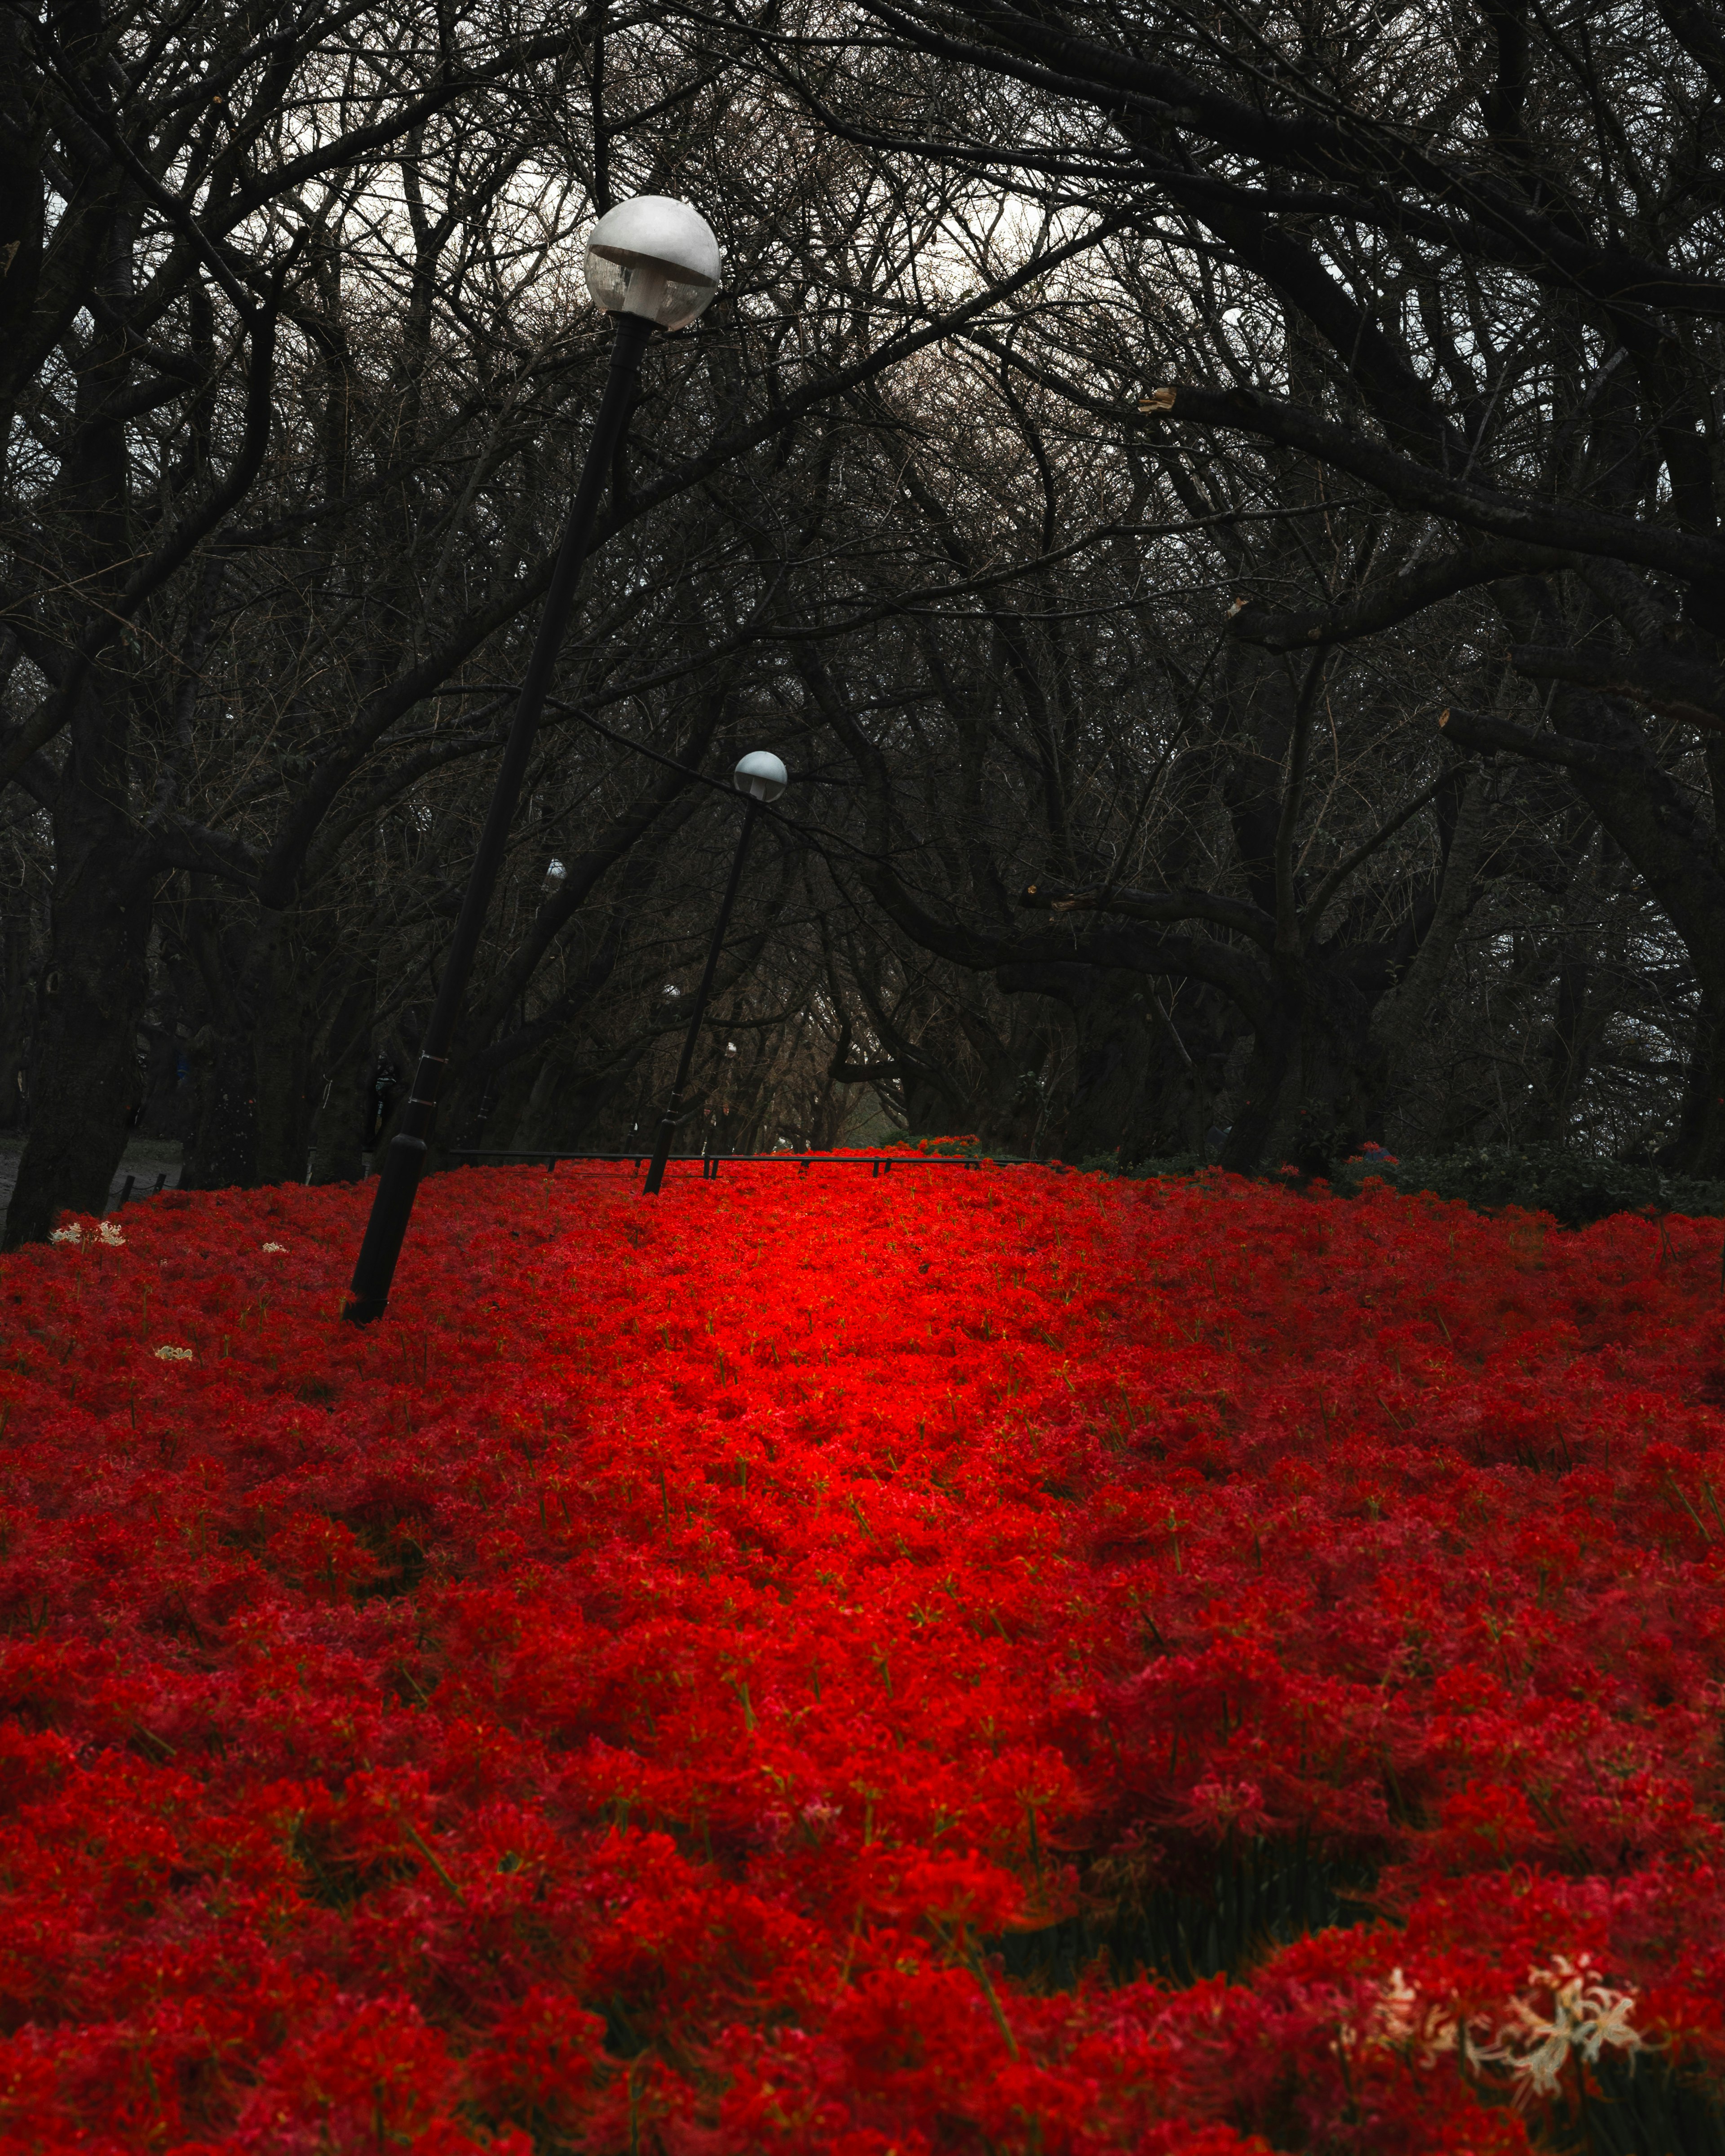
{"type": "Point", "coordinates": [142, 1168]}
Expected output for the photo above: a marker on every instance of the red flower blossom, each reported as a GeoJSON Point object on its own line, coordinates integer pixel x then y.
{"type": "Point", "coordinates": [752, 1674]}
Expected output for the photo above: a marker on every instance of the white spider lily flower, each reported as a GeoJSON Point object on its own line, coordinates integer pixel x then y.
{"type": "Point", "coordinates": [1586, 2016]}
{"type": "Point", "coordinates": [174, 1355]}
{"type": "Point", "coordinates": [281, 1247]}
{"type": "Point", "coordinates": [1424, 2030]}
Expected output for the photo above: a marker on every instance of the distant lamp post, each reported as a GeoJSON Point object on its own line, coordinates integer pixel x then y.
{"type": "Point", "coordinates": [651, 263]}
{"type": "Point", "coordinates": [761, 777]}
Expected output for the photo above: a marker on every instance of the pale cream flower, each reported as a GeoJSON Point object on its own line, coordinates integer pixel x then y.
{"type": "Point", "coordinates": [1423, 2029]}
{"type": "Point", "coordinates": [1586, 2017]}
{"type": "Point", "coordinates": [174, 1355]}
{"type": "Point", "coordinates": [281, 1247]}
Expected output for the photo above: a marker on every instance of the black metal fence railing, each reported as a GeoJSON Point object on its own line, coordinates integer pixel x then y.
{"type": "Point", "coordinates": [877, 1164]}
{"type": "Point", "coordinates": [127, 1188]}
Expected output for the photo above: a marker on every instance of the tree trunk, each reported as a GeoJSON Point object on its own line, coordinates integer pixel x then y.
{"type": "Point", "coordinates": [343, 1113]}
{"type": "Point", "coordinates": [17, 1015]}
{"type": "Point", "coordinates": [1681, 862]}
{"type": "Point", "coordinates": [590, 1113]}
{"type": "Point", "coordinates": [274, 995]}
{"type": "Point", "coordinates": [1333, 1077]}
{"type": "Point", "coordinates": [1130, 1094]}
{"type": "Point", "coordinates": [516, 1100]}
{"type": "Point", "coordinates": [223, 1144]}
{"type": "Point", "coordinates": [1315, 1078]}
{"type": "Point", "coordinates": [1016, 1114]}
{"type": "Point", "coordinates": [94, 991]}
{"type": "Point", "coordinates": [1699, 1146]}
{"type": "Point", "coordinates": [96, 984]}
{"type": "Point", "coordinates": [1115, 1051]}
{"type": "Point", "coordinates": [1401, 1018]}
{"type": "Point", "coordinates": [1274, 1051]}
{"type": "Point", "coordinates": [224, 1151]}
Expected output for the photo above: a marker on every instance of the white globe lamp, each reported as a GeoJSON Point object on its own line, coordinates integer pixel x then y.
{"type": "Point", "coordinates": [654, 257]}
{"type": "Point", "coordinates": [760, 776]}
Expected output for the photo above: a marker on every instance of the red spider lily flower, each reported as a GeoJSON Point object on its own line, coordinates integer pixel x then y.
{"type": "Point", "coordinates": [859, 1665]}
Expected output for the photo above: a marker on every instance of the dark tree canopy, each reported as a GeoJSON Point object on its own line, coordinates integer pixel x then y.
{"type": "Point", "coordinates": [1216, 508]}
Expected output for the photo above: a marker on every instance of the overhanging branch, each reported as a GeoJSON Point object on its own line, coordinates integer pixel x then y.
{"type": "Point", "coordinates": [1411, 485]}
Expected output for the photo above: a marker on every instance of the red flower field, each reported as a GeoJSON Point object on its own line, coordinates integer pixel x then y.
{"type": "Point", "coordinates": [941, 1662]}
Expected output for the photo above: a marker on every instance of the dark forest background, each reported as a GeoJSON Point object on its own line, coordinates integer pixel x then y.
{"type": "Point", "coordinates": [1217, 507]}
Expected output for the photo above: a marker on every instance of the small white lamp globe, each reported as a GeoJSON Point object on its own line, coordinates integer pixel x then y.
{"type": "Point", "coordinates": [760, 776]}
{"type": "Point", "coordinates": [655, 257]}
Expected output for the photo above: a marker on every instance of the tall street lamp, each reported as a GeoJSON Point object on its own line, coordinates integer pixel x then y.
{"type": "Point", "coordinates": [761, 777]}
{"type": "Point", "coordinates": [651, 263]}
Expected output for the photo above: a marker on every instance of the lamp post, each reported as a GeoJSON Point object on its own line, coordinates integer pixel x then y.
{"type": "Point", "coordinates": [651, 263]}
{"type": "Point", "coordinates": [761, 777]}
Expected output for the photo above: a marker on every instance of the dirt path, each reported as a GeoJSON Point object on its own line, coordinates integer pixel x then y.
{"type": "Point", "coordinates": [143, 1170]}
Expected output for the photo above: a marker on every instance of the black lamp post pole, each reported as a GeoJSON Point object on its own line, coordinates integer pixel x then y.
{"type": "Point", "coordinates": [405, 1159]}
{"type": "Point", "coordinates": [673, 1112]}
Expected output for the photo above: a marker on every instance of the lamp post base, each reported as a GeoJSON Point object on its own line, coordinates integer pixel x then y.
{"type": "Point", "coordinates": [662, 1141]}
{"type": "Point", "coordinates": [404, 1164]}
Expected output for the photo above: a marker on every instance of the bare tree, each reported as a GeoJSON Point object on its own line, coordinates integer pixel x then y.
{"type": "Point", "coordinates": [1467, 264]}
{"type": "Point", "coordinates": [297, 397]}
